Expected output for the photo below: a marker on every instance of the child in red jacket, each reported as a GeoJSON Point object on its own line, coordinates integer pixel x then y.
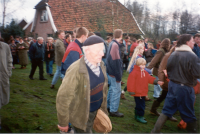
{"type": "Point", "coordinates": [137, 86]}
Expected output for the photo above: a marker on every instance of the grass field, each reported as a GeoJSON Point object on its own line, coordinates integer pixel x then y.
{"type": "Point", "coordinates": [32, 108]}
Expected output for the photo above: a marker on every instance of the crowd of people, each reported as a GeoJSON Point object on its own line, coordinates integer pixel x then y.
{"type": "Point", "coordinates": [91, 71]}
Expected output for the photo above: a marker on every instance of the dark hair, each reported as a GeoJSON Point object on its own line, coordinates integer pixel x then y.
{"type": "Point", "coordinates": [134, 40]}
{"type": "Point", "coordinates": [60, 31]}
{"type": "Point", "coordinates": [25, 37]}
{"type": "Point", "coordinates": [196, 35]}
{"type": "Point", "coordinates": [108, 37]}
{"type": "Point", "coordinates": [20, 38]}
{"type": "Point", "coordinates": [67, 35]}
{"type": "Point", "coordinates": [12, 40]}
{"type": "Point", "coordinates": [81, 31]}
{"type": "Point", "coordinates": [118, 33]}
{"type": "Point", "coordinates": [90, 34]}
{"type": "Point", "coordinates": [165, 44]}
{"type": "Point", "coordinates": [127, 37]}
{"type": "Point", "coordinates": [183, 39]}
{"type": "Point", "coordinates": [16, 36]}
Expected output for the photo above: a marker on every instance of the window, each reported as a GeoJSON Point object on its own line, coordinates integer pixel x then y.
{"type": "Point", "coordinates": [49, 35]}
{"type": "Point", "coordinates": [44, 16]}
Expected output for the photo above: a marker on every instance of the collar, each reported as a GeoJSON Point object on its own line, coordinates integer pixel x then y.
{"type": "Point", "coordinates": [184, 48]}
{"type": "Point", "coordinates": [79, 44]}
{"type": "Point", "coordinates": [67, 41]}
{"type": "Point", "coordinates": [90, 64]}
{"type": "Point", "coordinates": [116, 42]}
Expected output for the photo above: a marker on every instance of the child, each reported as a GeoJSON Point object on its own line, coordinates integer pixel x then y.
{"type": "Point", "coordinates": [137, 86]}
{"type": "Point", "coordinates": [138, 53]}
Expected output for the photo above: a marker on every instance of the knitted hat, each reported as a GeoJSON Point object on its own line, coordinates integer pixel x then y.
{"type": "Point", "coordinates": [94, 39]}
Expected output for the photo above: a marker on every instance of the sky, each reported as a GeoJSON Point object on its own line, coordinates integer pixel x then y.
{"type": "Point", "coordinates": [27, 11]}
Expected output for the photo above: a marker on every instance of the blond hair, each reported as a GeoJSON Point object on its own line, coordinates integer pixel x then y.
{"type": "Point", "coordinates": [150, 45]}
{"type": "Point", "coordinates": [135, 54]}
{"type": "Point", "coordinates": [141, 61]}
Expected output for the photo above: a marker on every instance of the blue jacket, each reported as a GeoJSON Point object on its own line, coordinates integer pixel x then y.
{"type": "Point", "coordinates": [36, 52]}
{"type": "Point", "coordinates": [72, 54]}
{"type": "Point", "coordinates": [196, 50]}
{"type": "Point", "coordinates": [113, 61]}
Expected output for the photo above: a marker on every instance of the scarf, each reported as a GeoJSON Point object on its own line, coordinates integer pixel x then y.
{"type": "Point", "coordinates": [49, 45]}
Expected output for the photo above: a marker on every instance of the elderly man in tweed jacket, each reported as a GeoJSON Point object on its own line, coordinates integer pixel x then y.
{"type": "Point", "coordinates": [84, 89]}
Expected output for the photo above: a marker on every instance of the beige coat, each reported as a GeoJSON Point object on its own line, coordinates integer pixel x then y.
{"type": "Point", "coordinates": [59, 51]}
{"type": "Point", "coordinates": [5, 73]}
{"type": "Point", "coordinates": [73, 97]}
{"type": "Point", "coordinates": [22, 53]}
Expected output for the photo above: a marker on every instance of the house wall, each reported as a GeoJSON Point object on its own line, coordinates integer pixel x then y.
{"type": "Point", "coordinates": [27, 31]}
{"type": "Point", "coordinates": [42, 28]}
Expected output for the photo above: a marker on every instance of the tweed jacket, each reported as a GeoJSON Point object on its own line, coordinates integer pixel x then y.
{"type": "Point", "coordinates": [73, 97]}
{"type": "Point", "coordinates": [59, 51]}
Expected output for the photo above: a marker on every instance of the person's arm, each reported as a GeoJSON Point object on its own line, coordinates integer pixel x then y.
{"type": "Point", "coordinates": [131, 83]}
{"type": "Point", "coordinates": [116, 62]}
{"type": "Point", "coordinates": [163, 66]}
{"type": "Point", "coordinates": [9, 67]}
{"type": "Point", "coordinates": [59, 47]}
{"type": "Point", "coordinates": [71, 58]}
{"type": "Point", "coordinates": [31, 52]}
{"type": "Point", "coordinates": [65, 96]}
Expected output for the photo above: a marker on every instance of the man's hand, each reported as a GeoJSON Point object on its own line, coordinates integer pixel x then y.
{"type": "Point", "coordinates": [64, 129]}
{"type": "Point", "coordinates": [160, 83]}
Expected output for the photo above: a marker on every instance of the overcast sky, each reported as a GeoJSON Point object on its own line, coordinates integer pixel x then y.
{"type": "Point", "coordinates": [27, 11]}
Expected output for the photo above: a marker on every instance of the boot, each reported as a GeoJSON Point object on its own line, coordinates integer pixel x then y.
{"type": "Point", "coordinates": [154, 108]}
{"type": "Point", "coordinates": [123, 96]}
{"type": "Point", "coordinates": [173, 119]}
{"type": "Point", "coordinates": [141, 119]}
{"type": "Point", "coordinates": [52, 87]}
{"type": "Point", "coordinates": [191, 127]}
{"type": "Point", "coordinates": [159, 123]}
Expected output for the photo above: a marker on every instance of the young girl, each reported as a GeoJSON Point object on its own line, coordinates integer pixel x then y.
{"type": "Point", "coordinates": [137, 86]}
{"type": "Point", "coordinates": [138, 53]}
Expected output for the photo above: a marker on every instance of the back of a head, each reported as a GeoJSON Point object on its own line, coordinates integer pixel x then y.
{"type": "Point", "coordinates": [165, 43]}
{"type": "Point", "coordinates": [118, 33]}
{"type": "Point", "coordinates": [81, 31]}
{"type": "Point", "coordinates": [183, 39]}
{"type": "Point", "coordinates": [90, 34]}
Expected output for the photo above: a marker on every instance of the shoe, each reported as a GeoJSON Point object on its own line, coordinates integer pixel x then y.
{"type": "Point", "coordinates": [159, 123]}
{"type": "Point", "coordinates": [122, 83]}
{"type": "Point", "coordinates": [154, 108]}
{"type": "Point", "coordinates": [31, 78]}
{"type": "Point", "coordinates": [141, 119]}
{"type": "Point", "coordinates": [52, 87]}
{"type": "Point", "coordinates": [24, 68]}
{"type": "Point", "coordinates": [123, 96]}
{"type": "Point", "coordinates": [43, 79]}
{"type": "Point", "coordinates": [116, 114]}
{"type": "Point", "coordinates": [192, 127]}
{"type": "Point", "coordinates": [172, 119]}
{"type": "Point", "coordinates": [51, 75]}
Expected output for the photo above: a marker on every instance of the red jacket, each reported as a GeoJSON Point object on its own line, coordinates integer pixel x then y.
{"type": "Point", "coordinates": [132, 48]}
{"type": "Point", "coordinates": [138, 82]}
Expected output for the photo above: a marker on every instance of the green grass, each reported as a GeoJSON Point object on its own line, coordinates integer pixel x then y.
{"type": "Point", "coordinates": [32, 108]}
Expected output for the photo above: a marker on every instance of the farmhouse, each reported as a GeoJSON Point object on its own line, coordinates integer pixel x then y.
{"type": "Point", "coordinates": [98, 16]}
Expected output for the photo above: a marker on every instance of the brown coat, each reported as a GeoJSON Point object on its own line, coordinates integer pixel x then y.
{"type": "Point", "coordinates": [155, 62]}
{"type": "Point", "coordinates": [73, 97]}
{"type": "Point", "coordinates": [161, 75]}
{"type": "Point", "coordinates": [59, 51]}
{"type": "Point", "coordinates": [22, 53]}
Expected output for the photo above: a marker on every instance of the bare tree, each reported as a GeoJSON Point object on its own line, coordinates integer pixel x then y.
{"type": "Point", "coordinates": [10, 7]}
